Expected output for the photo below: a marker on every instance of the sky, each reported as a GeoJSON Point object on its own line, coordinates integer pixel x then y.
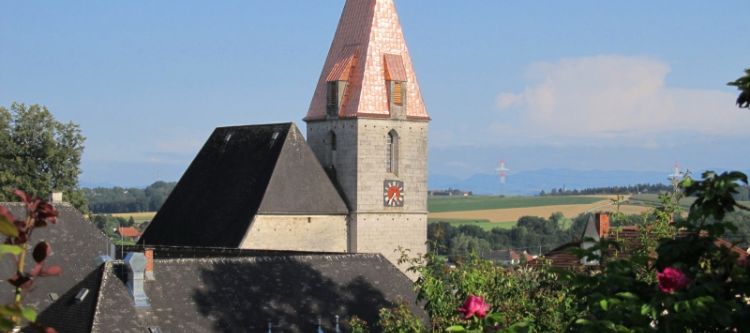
{"type": "Point", "coordinates": [584, 85]}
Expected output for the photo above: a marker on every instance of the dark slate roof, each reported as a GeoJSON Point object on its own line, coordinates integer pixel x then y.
{"type": "Point", "coordinates": [240, 172]}
{"type": "Point", "coordinates": [75, 244]}
{"type": "Point", "coordinates": [244, 294]}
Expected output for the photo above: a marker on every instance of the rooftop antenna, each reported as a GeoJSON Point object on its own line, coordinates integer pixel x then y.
{"type": "Point", "coordinates": [502, 171]}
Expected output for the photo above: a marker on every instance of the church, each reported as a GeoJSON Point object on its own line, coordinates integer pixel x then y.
{"type": "Point", "coordinates": [269, 231]}
{"type": "Point", "coordinates": [357, 184]}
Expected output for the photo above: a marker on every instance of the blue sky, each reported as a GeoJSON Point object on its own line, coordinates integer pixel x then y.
{"type": "Point", "coordinates": [626, 85]}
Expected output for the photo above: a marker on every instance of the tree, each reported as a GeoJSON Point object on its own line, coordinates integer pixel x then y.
{"type": "Point", "coordinates": [743, 84]}
{"type": "Point", "coordinates": [39, 154]}
{"type": "Point", "coordinates": [462, 246]}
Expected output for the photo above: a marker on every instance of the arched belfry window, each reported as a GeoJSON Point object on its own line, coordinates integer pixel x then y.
{"type": "Point", "coordinates": [332, 146]}
{"type": "Point", "coordinates": [391, 147]}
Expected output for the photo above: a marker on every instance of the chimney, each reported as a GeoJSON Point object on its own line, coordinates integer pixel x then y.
{"type": "Point", "coordinates": [602, 224]}
{"type": "Point", "coordinates": [56, 197]}
{"type": "Point", "coordinates": [136, 266]}
{"type": "Point", "coordinates": [149, 254]}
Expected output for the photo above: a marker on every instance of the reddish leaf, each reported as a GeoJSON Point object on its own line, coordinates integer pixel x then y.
{"type": "Point", "coordinates": [36, 270]}
{"type": "Point", "coordinates": [22, 281]}
{"type": "Point", "coordinates": [50, 330]}
{"type": "Point", "coordinates": [41, 251]}
{"type": "Point", "coordinates": [25, 198]}
{"type": "Point", "coordinates": [44, 213]}
{"type": "Point", "coordinates": [5, 213]}
{"type": "Point", "coordinates": [51, 271]}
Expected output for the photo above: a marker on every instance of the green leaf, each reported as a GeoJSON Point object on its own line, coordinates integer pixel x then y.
{"type": "Point", "coordinates": [7, 228]}
{"type": "Point", "coordinates": [519, 327]}
{"type": "Point", "coordinates": [627, 295]}
{"type": "Point", "coordinates": [604, 305]}
{"type": "Point", "coordinates": [12, 249]}
{"type": "Point", "coordinates": [6, 324]}
{"type": "Point", "coordinates": [455, 328]}
{"type": "Point", "coordinates": [646, 309]}
{"type": "Point", "coordinates": [495, 318]}
{"type": "Point", "coordinates": [29, 314]}
{"type": "Point", "coordinates": [583, 322]}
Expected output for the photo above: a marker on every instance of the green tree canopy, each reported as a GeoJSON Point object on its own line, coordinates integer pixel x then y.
{"type": "Point", "coordinates": [39, 154]}
{"type": "Point", "coordinates": [743, 84]}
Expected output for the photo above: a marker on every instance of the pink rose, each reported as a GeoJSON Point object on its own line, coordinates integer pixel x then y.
{"type": "Point", "coordinates": [474, 306]}
{"type": "Point", "coordinates": [672, 279]}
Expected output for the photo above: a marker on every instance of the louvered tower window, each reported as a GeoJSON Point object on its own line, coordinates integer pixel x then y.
{"type": "Point", "coordinates": [335, 92]}
{"type": "Point", "coordinates": [396, 94]}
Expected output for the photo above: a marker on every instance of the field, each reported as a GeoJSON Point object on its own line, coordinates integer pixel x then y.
{"type": "Point", "coordinates": [490, 212]}
{"type": "Point", "coordinates": [139, 217]}
{"type": "Point", "coordinates": [652, 200]}
{"type": "Point", "coordinates": [472, 203]}
{"type": "Point", "coordinates": [484, 224]}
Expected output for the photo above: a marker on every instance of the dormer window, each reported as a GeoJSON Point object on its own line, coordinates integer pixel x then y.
{"type": "Point", "coordinates": [337, 81]}
{"type": "Point", "coordinates": [395, 78]}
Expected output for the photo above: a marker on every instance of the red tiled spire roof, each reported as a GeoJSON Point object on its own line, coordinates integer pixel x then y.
{"type": "Point", "coordinates": [368, 36]}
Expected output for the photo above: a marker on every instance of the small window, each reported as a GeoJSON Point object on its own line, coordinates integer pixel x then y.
{"type": "Point", "coordinates": [391, 146]}
{"type": "Point", "coordinates": [332, 145]}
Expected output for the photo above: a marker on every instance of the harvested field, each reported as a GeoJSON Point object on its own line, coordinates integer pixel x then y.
{"type": "Point", "coordinates": [139, 217]}
{"type": "Point", "coordinates": [513, 214]}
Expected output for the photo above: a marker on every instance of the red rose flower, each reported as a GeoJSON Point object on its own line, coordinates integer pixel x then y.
{"type": "Point", "coordinates": [474, 306]}
{"type": "Point", "coordinates": [672, 279]}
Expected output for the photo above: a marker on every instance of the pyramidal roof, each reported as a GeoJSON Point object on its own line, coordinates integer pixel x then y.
{"type": "Point", "coordinates": [242, 171]}
{"type": "Point", "coordinates": [368, 49]}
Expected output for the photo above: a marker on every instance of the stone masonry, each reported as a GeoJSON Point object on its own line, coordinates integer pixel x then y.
{"type": "Point", "coordinates": [360, 168]}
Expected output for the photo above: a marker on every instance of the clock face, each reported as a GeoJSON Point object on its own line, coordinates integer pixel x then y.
{"type": "Point", "coordinates": [393, 193]}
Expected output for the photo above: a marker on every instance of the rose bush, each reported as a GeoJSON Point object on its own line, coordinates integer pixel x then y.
{"type": "Point", "coordinates": [672, 279]}
{"type": "Point", "coordinates": [39, 213]}
{"type": "Point", "coordinates": [474, 306]}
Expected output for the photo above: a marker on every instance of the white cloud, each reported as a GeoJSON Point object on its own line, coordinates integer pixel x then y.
{"type": "Point", "coordinates": [617, 97]}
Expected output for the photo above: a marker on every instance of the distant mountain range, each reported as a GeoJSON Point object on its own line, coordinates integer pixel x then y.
{"type": "Point", "coordinates": [534, 181]}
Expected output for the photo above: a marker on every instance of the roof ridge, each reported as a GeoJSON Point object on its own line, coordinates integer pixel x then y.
{"type": "Point", "coordinates": [270, 258]}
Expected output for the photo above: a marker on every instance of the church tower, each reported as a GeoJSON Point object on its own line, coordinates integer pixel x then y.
{"type": "Point", "coordinates": [367, 124]}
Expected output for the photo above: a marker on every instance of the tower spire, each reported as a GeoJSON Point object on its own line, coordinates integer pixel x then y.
{"type": "Point", "coordinates": [367, 52]}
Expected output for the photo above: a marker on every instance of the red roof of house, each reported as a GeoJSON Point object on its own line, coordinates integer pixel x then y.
{"type": "Point", "coordinates": [128, 232]}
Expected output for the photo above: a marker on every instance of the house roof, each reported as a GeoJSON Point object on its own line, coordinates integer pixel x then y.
{"type": "Point", "coordinates": [372, 27]}
{"type": "Point", "coordinates": [244, 294]}
{"type": "Point", "coordinates": [128, 231]}
{"type": "Point", "coordinates": [240, 172]}
{"type": "Point", "coordinates": [76, 243]}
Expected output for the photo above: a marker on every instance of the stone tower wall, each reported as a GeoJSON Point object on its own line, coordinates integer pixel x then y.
{"type": "Point", "coordinates": [361, 170]}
